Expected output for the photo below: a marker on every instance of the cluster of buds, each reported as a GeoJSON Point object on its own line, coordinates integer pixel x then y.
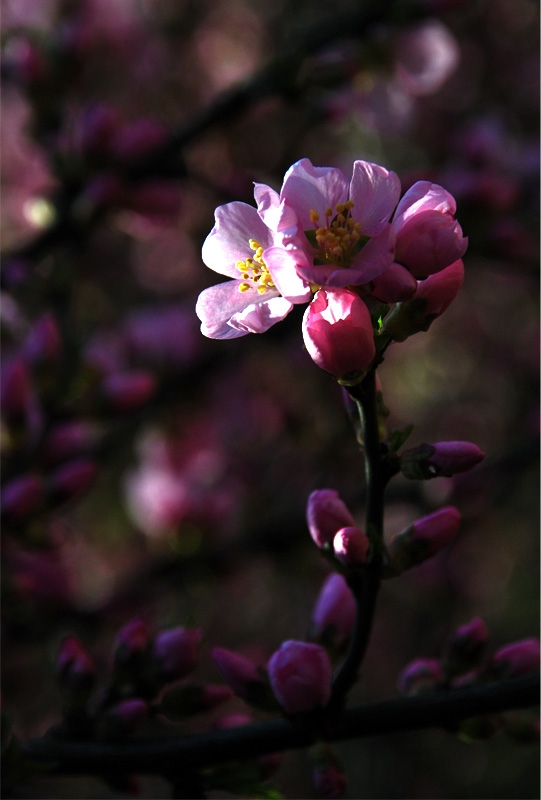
{"type": "Point", "coordinates": [297, 677]}
{"type": "Point", "coordinates": [465, 662]}
{"type": "Point", "coordinates": [333, 528]}
{"type": "Point", "coordinates": [143, 666]}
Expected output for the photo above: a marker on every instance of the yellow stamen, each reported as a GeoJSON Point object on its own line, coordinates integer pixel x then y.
{"type": "Point", "coordinates": [244, 287]}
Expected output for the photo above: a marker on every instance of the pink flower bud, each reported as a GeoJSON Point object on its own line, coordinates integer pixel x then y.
{"type": "Point", "coordinates": [517, 658]}
{"type": "Point", "coordinates": [42, 345]}
{"type": "Point", "coordinates": [394, 285]}
{"type": "Point", "coordinates": [440, 290]}
{"type": "Point", "coordinates": [300, 674]}
{"type": "Point", "coordinates": [124, 718]}
{"type": "Point", "coordinates": [128, 390]}
{"type": "Point", "coordinates": [334, 612]}
{"type": "Point", "coordinates": [326, 513]}
{"type": "Point", "coordinates": [428, 238]}
{"type": "Point", "coordinates": [242, 675]}
{"type": "Point", "coordinates": [132, 640]}
{"type": "Point", "coordinates": [72, 479]}
{"type": "Point", "coordinates": [15, 390]}
{"type": "Point", "coordinates": [21, 497]}
{"type": "Point", "coordinates": [443, 458]}
{"type": "Point", "coordinates": [423, 539]}
{"type": "Point", "coordinates": [351, 546]}
{"type": "Point", "coordinates": [419, 676]}
{"type": "Point", "coordinates": [466, 648]}
{"type": "Point", "coordinates": [338, 334]}
{"type": "Point", "coordinates": [176, 652]}
{"type": "Point", "coordinates": [74, 667]}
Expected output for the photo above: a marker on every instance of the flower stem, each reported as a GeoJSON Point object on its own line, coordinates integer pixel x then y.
{"type": "Point", "coordinates": [365, 584]}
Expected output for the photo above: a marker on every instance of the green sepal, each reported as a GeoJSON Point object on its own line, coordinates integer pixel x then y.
{"type": "Point", "coordinates": [398, 437]}
{"type": "Point", "coordinates": [408, 318]}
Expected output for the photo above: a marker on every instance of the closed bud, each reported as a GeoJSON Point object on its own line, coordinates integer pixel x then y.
{"type": "Point", "coordinates": [351, 546]}
{"type": "Point", "coordinates": [515, 659]}
{"type": "Point", "coordinates": [443, 458]}
{"type": "Point", "coordinates": [123, 719]}
{"type": "Point", "coordinates": [70, 439]}
{"type": "Point", "coordinates": [21, 497]}
{"type": "Point", "coordinates": [326, 513]}
{"type": "Point", "coordinates": [126, 391]}
{"type": "Point", "coordinates": [300, 675]}
{"type": "Point", "coordinates": [394, 285]}
{"type": "Point", "coordinates": [423, 539]}
{"type": "Point", "coordinates": [242, 675]}
{"type": "Point", "coordinates": [75, 669]}
{"type": "Point", "coordinates": [432, 297]}
{"type": "Point", "coordinates": [338, 334]}
{"type": "Point", "coordinates": [72, 479]}
{"type": "Point", "coordinates": [132, 641]}
{"type": "Point", "coordinates": [420, 676]}
{"type": "Point", "coordinates": [334, 613]}
{"type": "Point", "coordinates": [175, 652]}
{"type": "Point", "coordinates": [466, 648]}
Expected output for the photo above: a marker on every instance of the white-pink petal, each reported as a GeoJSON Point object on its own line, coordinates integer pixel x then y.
{"type": "Point", "coordinates": [259, 317]}
{"type": "Point", "coordinates": [423, 196]}
{"type": "Point", "coordinates": [218, 304]}
{"type": "Point", "coordinates": [283, 268]}
{"type": "Point", "coordinates": [274, 212]}
{"type": "Point", "coordinates": [375, 192]}
{"type": "Point", "coordinates": [306, 187]}
{"type": "Point", "coordinates": [228, 241]}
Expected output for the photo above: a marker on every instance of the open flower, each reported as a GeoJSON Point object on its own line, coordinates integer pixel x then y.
{"type": "Point", "coordinates": [263, 290]}
{"type": "Point", "coordinates": [343, 226]}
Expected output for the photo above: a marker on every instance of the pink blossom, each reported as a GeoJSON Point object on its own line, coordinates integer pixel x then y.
{"type": "Point", "coordinates": [326, 513]}
{"type": "Point", "coordinates": [300, 675]}
{"type": "Point", "coordinates": [74, 666]}
{"type": "Point", "coordinates": [426, 56]}
{"type": "Point", "coordinates": [334, 611]}
{"type": "Point", "coordinates": [264, 288]}
{"type": "Point", "coordinates": [22, 496]}
{"type": "Point", "coordinates": [394, 285]}
{"type": "Point", "coordinates": [348, 238]}
{"type": "Point", "coordinates": [124, 718]}
{"type": "Point", "coordinates": [351, 546]}
{"type": "Point", "coordinates": [132, 640]}
{"type": "Point", "coordinates": [338, 334]}
{"type": "Point", "coordinates": [126, 391]}
{"type": "Point", "coordinates": [466, 647]}
{"type": "Point", "coordinates": [428, 237]}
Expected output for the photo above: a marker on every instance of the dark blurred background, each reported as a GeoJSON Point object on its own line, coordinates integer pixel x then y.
{"type": "Point", "coordinates": [202, 464]}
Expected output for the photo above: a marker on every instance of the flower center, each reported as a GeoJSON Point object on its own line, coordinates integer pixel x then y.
{"type": "Point", "coordinates": [337, 241]}
{"type": "Point", "coordinates": [255, 270]}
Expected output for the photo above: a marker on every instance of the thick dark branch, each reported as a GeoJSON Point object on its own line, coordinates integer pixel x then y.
{"type": "Point", "coordinates": [202, 750]}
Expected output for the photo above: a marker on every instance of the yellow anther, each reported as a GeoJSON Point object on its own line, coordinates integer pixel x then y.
{"type": "Point", "coordinates": [328, 211]}
{"type": "Point", "coordinates": [244, 287]}
{"type": "Point", "coordinates": [349, 204]}
{"type": "Point", "coordinates": [314, 216]}
{"type": "Point", "coordinates": [254, 244]}
{"type": "Point", "coordinates": [245, 276]}
{"type": "Point", "coordinates": [261, 289]}
{"type": "Point", "coordinates": [340, 207]}
{"type": "Point", "coordinates": [340, 219]}
{"type": "Point", "coordinates": [241, 265]}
